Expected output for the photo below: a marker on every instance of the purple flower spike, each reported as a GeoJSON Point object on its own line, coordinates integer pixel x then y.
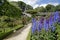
{"type": "Point", "coordinates": [56, 16]}
{"type": "Point", "coordinates": [33, 25]}
{"type": "Point", "coordinates": [38, 26]}
{"type": "Point", "coordinates": [41, 22]}
{"type": "Point", "coordinates": [51, 21]}
{"type": "Point", "coordinates": [46, 26]}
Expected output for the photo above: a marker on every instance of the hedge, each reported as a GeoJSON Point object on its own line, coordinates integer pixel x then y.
{"type": "Point", "coordinates": [5, 34]}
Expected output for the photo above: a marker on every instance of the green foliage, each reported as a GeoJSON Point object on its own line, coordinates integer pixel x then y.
{"type": "Point", "coordinates": [40, 9]}
{"type": "Point", "coordinates": [6, 21]}
{"type": "Point", "coordinates": [5, 34]}
{"type": "Point", "coordinates": [28, 7]}
{"type": "Point", "coordinates": [8, 25]}
{"type": "Point", "coordinates": [29, 35]}
{"type": "Point", "coordinates": [21, 5]}
{"type": "Point", "coordinates": [24, 6]}
{"type": "Point", "coordinates": [58, 7]}
{"type": "Point", "coordinates": [31, 11]}
{"type": "Point", "coordinates": [43, 35]}
{"type": "Point", "coordinates": [8, 31]}
{"type": "Point", "coordinates": [50, 8]}
{"type": "Point", "coordinates": [47, 35]}
{"type": "Point", "coordinates": [58, 31]}
{"type": "Point", "coordinates": [9, 10]}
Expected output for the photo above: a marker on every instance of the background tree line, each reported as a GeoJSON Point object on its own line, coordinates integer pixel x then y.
{"type": "Point", "coordinates": [48, 8]}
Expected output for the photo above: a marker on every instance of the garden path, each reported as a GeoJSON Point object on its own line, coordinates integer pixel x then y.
{"type": "Point", "coordinates": [20, 34]}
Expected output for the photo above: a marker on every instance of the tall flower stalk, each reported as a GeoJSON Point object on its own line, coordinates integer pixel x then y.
{"type": "Point", "coordinates": [33, 25]}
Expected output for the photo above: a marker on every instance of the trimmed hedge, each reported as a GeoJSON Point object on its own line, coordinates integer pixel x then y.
{"type": "Point", "coordinates": [3, 35]}
{"type": "Point", "coordinates": [18, 27]}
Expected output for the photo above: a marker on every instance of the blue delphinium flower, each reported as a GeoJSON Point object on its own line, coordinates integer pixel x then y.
{"type": "Point", "coordinates": [41, 22]}
{"type": "Point", "coordinates": [50, 21]}
{"type": "Point", "coordinates": [38, 26]}
{"type": "Point", "coordinates": [33, 25]}
{"type": "Point", "coordinates": [33, 20]}
{"type": "Point", "coordinates": [56, 16]}
{"type": "Point", "coordinates": [59, 20]}
{"type": "Point", "coordinates": [47, 20]}
{"type": "Point", "coordinates": [42, 19]}
{"type": "Point", "coordinates": [46, 26]}
{"type": "Point", "coordinates": [59, 17]}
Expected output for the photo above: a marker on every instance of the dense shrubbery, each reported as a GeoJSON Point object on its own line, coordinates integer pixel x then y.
{"type": "Point", "coordinates": [9, 10]}
{"type": "Point", "coordinates": [24, 6]}
{"type": "Point", "coordinates": [8, 24]}
{"type": "Point", "coordinates": [58, 31]}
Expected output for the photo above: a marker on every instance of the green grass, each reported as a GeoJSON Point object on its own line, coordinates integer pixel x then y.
{"type": "Point", "coordinates": [29, 35]}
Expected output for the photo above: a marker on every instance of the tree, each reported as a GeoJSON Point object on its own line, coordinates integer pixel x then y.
{"type": "Point", "coordinates": [9, 10]}
{"type": "Point", "coordinates": [58, 8]}
{"type": "Point", "coordinates": [50, 8]}
{"type": "Point", "coordinates": [40, 9]}
{"type": "Point", "coordinates": [28, 7]}
{"type": "Point", "coordinates": [22, 5]}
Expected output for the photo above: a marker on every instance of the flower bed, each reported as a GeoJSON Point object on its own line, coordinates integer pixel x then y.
{"type": "Point", "coordinates": [46, 28]}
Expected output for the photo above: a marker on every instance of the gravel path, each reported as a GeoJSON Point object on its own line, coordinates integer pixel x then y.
{"type": "Point", "coordinates": [20, 34]}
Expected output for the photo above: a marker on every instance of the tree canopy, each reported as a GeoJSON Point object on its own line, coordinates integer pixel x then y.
{"type": "Point", "coordinates": [24, 6]}
{"type": "Point", "coordinates": [58, 7]}
{"type": "Point", "coordinates": [50, 8]}
{"type": "Point", "coordinates": [9, 10]}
